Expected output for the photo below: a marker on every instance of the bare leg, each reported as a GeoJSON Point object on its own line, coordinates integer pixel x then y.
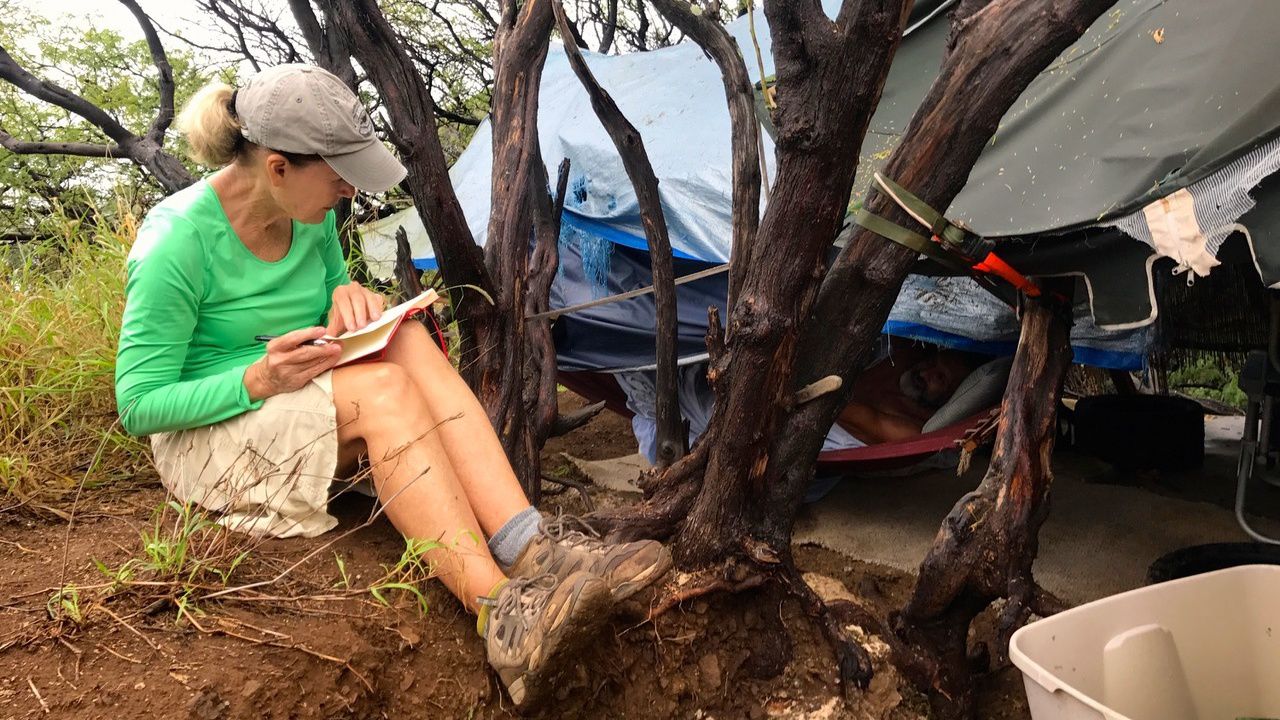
{"type": "Point", "coordinates": [381, 411]}
{"type": "Point", "coordinates": [470, 442]}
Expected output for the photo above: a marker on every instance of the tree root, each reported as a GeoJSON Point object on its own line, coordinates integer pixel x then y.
{"type": "Point", "coordinates": [852, 659]}
{"type": "Point", "coordinates": [655, 519]}
{"type": "Point", "coordinates": [570, 421]}
{"type": "Point", "coordinates": [705, 583]}
{"type": "Point", "coordinates": [669, 495]}
{"type": "Point", "coordinates": [1025, 598]}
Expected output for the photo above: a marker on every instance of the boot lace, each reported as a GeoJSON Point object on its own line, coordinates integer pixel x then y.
{"type": "Point", "coordinates": [572, 531]}
{"type": "Point", "coordinates": [520, 603]}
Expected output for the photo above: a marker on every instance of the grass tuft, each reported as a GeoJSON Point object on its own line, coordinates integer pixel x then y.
{"type": "Point", "coordinates": [60, 306]}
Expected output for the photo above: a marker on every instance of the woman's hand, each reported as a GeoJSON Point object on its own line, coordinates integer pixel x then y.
{"type": "Point", "coordinates": [354, 306]}
{"type": "Point", "coordinates": [289, 364]}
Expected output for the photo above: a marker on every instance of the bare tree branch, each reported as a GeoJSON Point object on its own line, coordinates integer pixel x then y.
{"type": "Point", "coordinates": [457, 117]}
{"type": "Point", "coordinates": [575, 34]}
{"type": "Point", "coordinates": [237, 16]}
{"type": "Point", "coordinates": [164, 116]}
{"type": "Point", "coordinates": [547, 211]}
{"type": "Point", "coordinates": [215, 49]}
{"type": "Point", "coordinates": [233, 29]}
{"type": "Point", "coordinates": [672, 440]}
{"type": "Point", "coordinates": [145, 151]}
{"type": "Point", "coordinates": [457, 39]}
{"type": "Point", "coordinates": [716, 42]}
{"type": "Point", "coordinates": [610, 26]}
{"type": "Point", "coordinates": [55, 94]}
{"type": "Point", "coordinates": [82, 149]}
{"type": "Point", "coordinates": [482, 12]}
{"type": "Point", "coordinates": [328, 48]}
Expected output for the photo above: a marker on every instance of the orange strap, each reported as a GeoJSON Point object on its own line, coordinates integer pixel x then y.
{"type": "Point", "coordinates": [993, 265]}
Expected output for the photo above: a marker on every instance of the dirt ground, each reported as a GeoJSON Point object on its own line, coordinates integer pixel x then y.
{"type": "Point", "coordinates": [310, 641]}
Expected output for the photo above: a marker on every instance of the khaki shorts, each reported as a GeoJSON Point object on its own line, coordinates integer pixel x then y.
{"type": "Point", "coordinates": [267, 471]}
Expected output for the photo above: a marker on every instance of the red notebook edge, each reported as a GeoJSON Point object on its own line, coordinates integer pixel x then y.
{"type": "Point", "coordinates": [379, 355]}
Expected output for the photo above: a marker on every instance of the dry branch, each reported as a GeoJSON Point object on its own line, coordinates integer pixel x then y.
{"type": "Point", "coordinates": [672, 441]}
{"type": "Point", "coordinates": [540, 389]}
{"type": "Point", "coordinates": [164, 116]}
{"type": "Point", "coordinates": [328, 45]}
{"type": "Point", "coordinates": [720, 46]}
{"type": "Point", "coordinates": [145, 150]}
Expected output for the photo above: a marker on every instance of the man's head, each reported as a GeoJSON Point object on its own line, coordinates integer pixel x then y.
{"type": "Point", "coordinates": [932, 381]}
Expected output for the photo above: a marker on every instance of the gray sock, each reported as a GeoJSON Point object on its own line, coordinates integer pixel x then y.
{"type": "Point", "coordinates": [511, 539]}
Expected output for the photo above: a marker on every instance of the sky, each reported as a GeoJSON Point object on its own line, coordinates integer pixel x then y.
{"type": "Point", "coordinates": [172, 15]}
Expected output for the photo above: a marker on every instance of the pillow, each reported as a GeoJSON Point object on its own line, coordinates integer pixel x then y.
{"type": "Point", "coordinates": [982, 389]}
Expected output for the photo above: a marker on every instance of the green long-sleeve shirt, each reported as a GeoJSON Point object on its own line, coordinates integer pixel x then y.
{"type": "Point", "coordinates": [195, 299]}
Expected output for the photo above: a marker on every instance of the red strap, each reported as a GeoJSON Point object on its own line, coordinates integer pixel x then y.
{"type": "Point", "coordinates": [439, 334]}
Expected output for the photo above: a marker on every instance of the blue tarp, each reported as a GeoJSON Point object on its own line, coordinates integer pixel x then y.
{"type": "Point", "coordinates": [675, 98]}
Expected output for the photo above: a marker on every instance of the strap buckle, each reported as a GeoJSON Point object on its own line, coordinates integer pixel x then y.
{"type": "Point", "coordinates": [950, 245]}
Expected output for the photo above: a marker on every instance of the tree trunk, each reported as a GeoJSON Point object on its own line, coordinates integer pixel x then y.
{"type": "Point", "coordinates": [408, 101]}
{"type": "Point", "coordinates": [988, 542]}
{"type": "Point", "coordinates": [830, 75]}
{"type": "Point", "coordinates": [329, 50]}
{"type": "Point", "coordinates": [995, 50]}
{"type": "Point", "coordinates": [520, 51]}
{"type": "Point", "coordinates": [493, 356]}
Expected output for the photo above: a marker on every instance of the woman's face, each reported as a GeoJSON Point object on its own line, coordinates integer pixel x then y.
{"type": "Point", "coordinates": [308, 191]}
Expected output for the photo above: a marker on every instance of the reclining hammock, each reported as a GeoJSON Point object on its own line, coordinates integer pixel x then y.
{"type": "Point", "coordinates": [964, 435]}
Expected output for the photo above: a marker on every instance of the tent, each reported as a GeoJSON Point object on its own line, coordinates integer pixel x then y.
{"type": "Point", "coordinates": [1151, 103]}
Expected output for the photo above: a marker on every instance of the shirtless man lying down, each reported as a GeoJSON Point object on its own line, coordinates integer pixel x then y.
{"type": "Point", "coordinates": [894, 398]}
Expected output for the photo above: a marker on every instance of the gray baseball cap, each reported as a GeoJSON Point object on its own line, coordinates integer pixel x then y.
{"type": "Point", "coordinates": [307, 110]}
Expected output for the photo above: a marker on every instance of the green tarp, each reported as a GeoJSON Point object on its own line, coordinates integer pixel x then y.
{"type": "Point", "coordinates": [1156, 96]}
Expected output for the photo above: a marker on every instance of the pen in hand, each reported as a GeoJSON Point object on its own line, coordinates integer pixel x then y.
{"type": "Point", "coordinates": [268, 338]}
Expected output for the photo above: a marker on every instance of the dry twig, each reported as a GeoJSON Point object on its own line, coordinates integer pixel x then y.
{"type": "Point", "coordinates": [126, 658]}
{"type": "Point", "coordinates": [129, 627]}
{"type": "Point", "coordinates": [43, 705]}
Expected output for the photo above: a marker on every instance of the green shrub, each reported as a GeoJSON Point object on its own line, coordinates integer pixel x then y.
{"type": "Point", "coordinates": [1212, 378]}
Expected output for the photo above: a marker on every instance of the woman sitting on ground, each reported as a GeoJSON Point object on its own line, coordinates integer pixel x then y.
{"type": "Point", "coordinates": [258, 433]}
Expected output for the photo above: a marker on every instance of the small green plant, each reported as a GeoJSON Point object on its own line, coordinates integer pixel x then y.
{"type": "Point", "coordinates": [167, 551]}
{"type": "Point", "coordinates": [186, 605]}
{"type": "Point", "coordinates": [184, 549]}
{"type": "Point", "coordinates": [409, 572]}
{"type": "Point", "coordinates": [379, 593]}
{"type": "Point", "coordinates": [120, 577]}
{"type": "Point", "coordinates": [64, 604]}
{"type": "Point", "coordinates": [345, 580]}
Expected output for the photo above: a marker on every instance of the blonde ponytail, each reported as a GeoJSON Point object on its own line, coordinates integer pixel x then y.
{"type": "Point", "coordinates": [211, 129]}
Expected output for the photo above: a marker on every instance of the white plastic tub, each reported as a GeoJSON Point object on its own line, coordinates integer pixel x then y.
{"type": "Point", "coordinates": [1205, 647]}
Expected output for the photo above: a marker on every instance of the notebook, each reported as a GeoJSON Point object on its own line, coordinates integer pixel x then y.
{"type": "Point", "coordinates": [370, 342]}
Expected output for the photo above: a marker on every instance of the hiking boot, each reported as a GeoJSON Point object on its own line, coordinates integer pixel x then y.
{"type": "Point", "coordinates": [561, 550]}
{"type": "Point", "coordinates": [536, 625]}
